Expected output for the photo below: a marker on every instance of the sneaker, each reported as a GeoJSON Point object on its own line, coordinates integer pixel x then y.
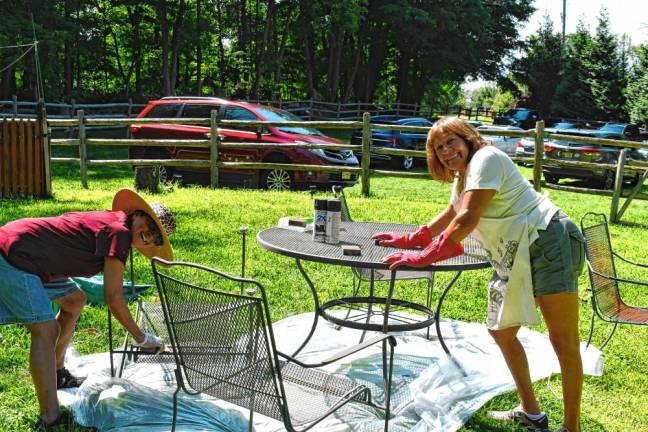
{"type": "Point", "coordinates": [64, 379]}
{"type": "Point", "coordinates": [65, 422]}
{"type": "Point", "coordinates": [518, 416]}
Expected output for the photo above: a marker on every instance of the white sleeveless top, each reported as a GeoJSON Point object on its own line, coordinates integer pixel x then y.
{"type": "Point", "coordinates": [508, 226]}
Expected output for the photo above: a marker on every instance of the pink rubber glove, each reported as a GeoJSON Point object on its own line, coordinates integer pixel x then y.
{"type": "Point", "coordinates": [417, 239]}
{"type": "Point", "coordinates": [440, 249]}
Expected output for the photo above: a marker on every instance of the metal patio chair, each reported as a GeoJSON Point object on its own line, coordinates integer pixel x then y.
{"type": "Point", "coordinates": [224, 346]}
{"type": "Point", "coordinates": [361, 275]}
{"type": "Point", "coordinates": [607, 302]}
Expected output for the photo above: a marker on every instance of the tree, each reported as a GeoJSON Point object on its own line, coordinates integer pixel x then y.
{"type": "Point", "coordinates": [607, 78]}
{"type": "Point", "coordinates": [574, 98]}
{"type": "Point", "coordinates": [540, 69]}
{"type": "Point", "coordinates": [638, 88]}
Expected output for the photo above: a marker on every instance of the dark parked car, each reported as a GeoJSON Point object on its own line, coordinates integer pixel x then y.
{"type": "Point", "coordinates": [565, 150]}
{"type": "Point", "coordinates": [395, 139]}
{"type": "Point", "coordinates": [192, 107]}
{"type": "Point", "coordinates": [524, 118]}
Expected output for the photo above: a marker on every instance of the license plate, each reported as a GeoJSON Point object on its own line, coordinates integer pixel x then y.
{"type": "Point", "coordinates": [568, 154]}
{"type": "Point", "coordinates": [346, 175]}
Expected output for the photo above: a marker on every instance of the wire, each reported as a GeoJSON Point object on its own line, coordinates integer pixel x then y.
{"type": "Point", "coordinates": [17, 46]}
{"type": "Point", "coordinates": [19, 58]}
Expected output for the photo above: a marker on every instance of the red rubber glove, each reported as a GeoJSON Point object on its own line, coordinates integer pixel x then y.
{"type": "Point", "coordinates": [417, 239]}
{"type": "Point", "coordinates": [440, 249]}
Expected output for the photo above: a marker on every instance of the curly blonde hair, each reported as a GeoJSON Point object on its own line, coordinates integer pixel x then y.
{"type": "Point", "coordinates": [442, 127]}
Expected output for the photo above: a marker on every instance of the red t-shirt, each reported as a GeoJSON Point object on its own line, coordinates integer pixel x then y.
{"type": "Point", "coordinates": [73, 244]}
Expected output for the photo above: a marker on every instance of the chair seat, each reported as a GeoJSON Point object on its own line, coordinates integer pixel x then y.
{"type": "Point", "coordinates": [633, 315]}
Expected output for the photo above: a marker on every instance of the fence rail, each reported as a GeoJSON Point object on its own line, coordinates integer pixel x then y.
{"type": "Point", "coordinates": [365, 171]}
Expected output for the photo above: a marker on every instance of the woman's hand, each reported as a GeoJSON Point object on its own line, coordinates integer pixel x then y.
{"type": "Point", "coordinates": [417, 239]}
{"type": "Point", "coordinates": [440, 249]}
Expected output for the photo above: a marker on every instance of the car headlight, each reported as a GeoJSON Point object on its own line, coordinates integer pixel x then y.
{"type": "Point", "coordinates": [318, 152]}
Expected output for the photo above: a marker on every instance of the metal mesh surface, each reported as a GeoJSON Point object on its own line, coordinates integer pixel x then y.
{"type": "Point", "coordinates": [300, 245]}
{"type": "Point", "coordinates": [224, 349]}
{"type": "Point", "coordinates": [605, 289]}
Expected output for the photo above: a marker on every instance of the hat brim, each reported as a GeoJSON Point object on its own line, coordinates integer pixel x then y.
{"type": "Point", "coordinates": [128, 200]}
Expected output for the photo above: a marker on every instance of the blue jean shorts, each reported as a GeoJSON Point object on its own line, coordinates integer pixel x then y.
{"type": "Point", "coordinates": [24, 299]}
{"type": "Point", "coordinates": [557, 257]}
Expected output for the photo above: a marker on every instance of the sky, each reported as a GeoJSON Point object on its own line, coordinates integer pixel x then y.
{"type": "Point", "coordinates": [625, 16]}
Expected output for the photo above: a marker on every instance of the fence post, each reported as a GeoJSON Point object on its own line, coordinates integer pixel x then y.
{"type": "Point", "coordinates": [42, 119]}
{"type": "Point", "coordinates": [213, 150]}
{"type": "Point", "coordinates": [83, 151]}
{"type": "Point", "coordinates": [72, 107]}
{"type": "Point", "coordinates": [618, 185]}
{"type": "Point", "coordinates": [366, 152]}
{"type": "Point", "coordinates": [538, 152]}
{"type": "Point", "coordinates": [130, 108]}
{"type": "Point", "coordinates": [14, 105]}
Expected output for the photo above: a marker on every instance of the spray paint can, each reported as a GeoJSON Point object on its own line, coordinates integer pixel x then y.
{"type": "Point", "coordinates": [319, 220]}
{"type": "Point", "coordinates": [333, 219]}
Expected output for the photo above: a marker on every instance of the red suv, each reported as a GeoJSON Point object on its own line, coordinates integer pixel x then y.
{"type": "Point", "coordinates": [196, 107]}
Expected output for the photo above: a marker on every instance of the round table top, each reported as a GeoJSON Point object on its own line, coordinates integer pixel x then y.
{"type": "Point", "coordinates": [300, 245]}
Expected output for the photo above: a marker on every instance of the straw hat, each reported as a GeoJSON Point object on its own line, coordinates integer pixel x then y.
{"type": "Point", "coordinates": [128, 201]}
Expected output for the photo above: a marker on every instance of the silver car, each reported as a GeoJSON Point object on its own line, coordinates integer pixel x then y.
{"type": "Point", "coordinates": [505, 143]}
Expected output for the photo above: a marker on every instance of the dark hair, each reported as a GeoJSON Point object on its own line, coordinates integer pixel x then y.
{"type": "Point", "coordinates": [150, 223]}
{"type": "Point", "coordinates": [463, 130]}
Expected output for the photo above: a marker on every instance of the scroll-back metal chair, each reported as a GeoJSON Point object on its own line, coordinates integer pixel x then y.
{"type": "Point", "coordinates": [224, 346]}
{"type": "Point", "coordinates": [607, 302]}
{"type": "Point", "coordinates": [361, 275]}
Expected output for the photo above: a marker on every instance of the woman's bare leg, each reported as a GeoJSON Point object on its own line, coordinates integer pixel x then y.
{"type": "Point", "coordinates": [560, 312]}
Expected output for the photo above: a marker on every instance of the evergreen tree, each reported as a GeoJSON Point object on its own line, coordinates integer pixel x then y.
{"type": "Point", "coordinates": [607, 78]}
{"type": "Point", "coordinates": [574, 98]}
{"type": "Point", "coordinates": [638, 88]}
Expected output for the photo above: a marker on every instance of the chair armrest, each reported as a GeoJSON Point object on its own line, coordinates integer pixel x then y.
{"type": "Point", "coordinates": [617, 279]}
{"type": "Point", "coordinates": [629, 261]}
{"type": "Point", "coordinates": [344, 353]}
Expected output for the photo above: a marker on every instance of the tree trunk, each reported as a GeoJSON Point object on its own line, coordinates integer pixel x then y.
{"type": "Point", "coordinates": [67, 51]}
{"type": "Point", "coordinates": [175, 46]}
{"type": "Point", "coordinates": [262, 51]}
{"type": "Point", "coordinates": [135, 17]}
{"type": "Point", "coordinates": [164, 33]}
{"type": "Point", "coordinates": [306, 17]}
{"type": "Point", "coordinates": [221, 49]}
{"type": "Point", "coordinates": [199, 20]}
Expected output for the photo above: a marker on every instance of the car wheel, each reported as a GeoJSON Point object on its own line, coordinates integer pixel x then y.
{"type": "Point", "coordinates": [408, 163]}
{"type": "Point", "coordinates": [608, 180]}
{"type": "Point", "coordinates": [277, 179]}
{"type": "Point", "coordinates": [553, 179]}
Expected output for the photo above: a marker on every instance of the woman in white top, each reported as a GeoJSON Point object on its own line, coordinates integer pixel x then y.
{"type": "Point", "coordinates": [536, 250]}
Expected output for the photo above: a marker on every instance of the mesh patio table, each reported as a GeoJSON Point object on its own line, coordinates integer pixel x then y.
{"type": "Point", "coordinates": [386, 314]}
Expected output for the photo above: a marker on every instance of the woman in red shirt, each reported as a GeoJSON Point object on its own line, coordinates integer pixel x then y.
{"type": "Point", "coordinates": [39, 255]}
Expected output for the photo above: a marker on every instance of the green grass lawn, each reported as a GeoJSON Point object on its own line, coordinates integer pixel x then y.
{"type": "Point", "coordinates": [208, 233]}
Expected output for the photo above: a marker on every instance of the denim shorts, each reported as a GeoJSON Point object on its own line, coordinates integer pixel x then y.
{"type": "Point", "coordinates": [557, 257]}
{"type": "Point", "coordinates": [24, 299]}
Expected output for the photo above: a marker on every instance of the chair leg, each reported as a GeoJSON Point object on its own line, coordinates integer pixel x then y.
{"type": "Point", "coordinates": [609, 336]}
{"type": "Point", "coordinates": [428, 300]}
{"type": "Point", "coordinates": [388, 386]}
{"type": "Point", "coordinates": [591, 332]}
{"type": "Point", "coordinates": [175, 408]}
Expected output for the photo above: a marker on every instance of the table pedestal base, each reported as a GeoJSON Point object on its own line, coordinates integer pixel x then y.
{"type": "Point", "coordinates": [368, 313]}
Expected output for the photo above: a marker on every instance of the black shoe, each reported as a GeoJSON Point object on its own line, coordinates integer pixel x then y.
{"type": "Point", "coordinates": [64, 379]}
{"type": "Point", "coordinates": [518, 416]}
{"type": "Point", "coordinates": [64, 422]}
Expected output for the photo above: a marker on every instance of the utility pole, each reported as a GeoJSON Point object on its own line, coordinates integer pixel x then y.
{"type": "Point", "coordinates": [563, 15]}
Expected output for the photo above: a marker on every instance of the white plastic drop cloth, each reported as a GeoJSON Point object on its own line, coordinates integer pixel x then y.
{"type": "Point", "coordinates": [430, 392]}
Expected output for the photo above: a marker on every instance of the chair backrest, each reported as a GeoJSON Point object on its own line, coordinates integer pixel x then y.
{"type": "Point", "coordinates": [338, 192]}
{"type": "Point", "coordinates": [606, 299]}
{"type": "Point", "coordinates": [222, 342]}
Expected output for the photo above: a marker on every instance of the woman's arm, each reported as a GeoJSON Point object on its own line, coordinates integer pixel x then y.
{"type": "Point", "coordinates": [113, 295]}
{"type": "Point", "coordinates": [441, 221]}
{"type": "Point", "coordinates": [472, 208]}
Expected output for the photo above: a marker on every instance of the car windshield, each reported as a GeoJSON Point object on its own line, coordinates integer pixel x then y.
{"type": "Point", "coordinates": [565, 125]}
{"type": "Point", "coordinates": [277, 115]}
{"type": "Point", "coordinates": [616, 128]}
{"type": "Point", "coordinates": [519, 114]}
